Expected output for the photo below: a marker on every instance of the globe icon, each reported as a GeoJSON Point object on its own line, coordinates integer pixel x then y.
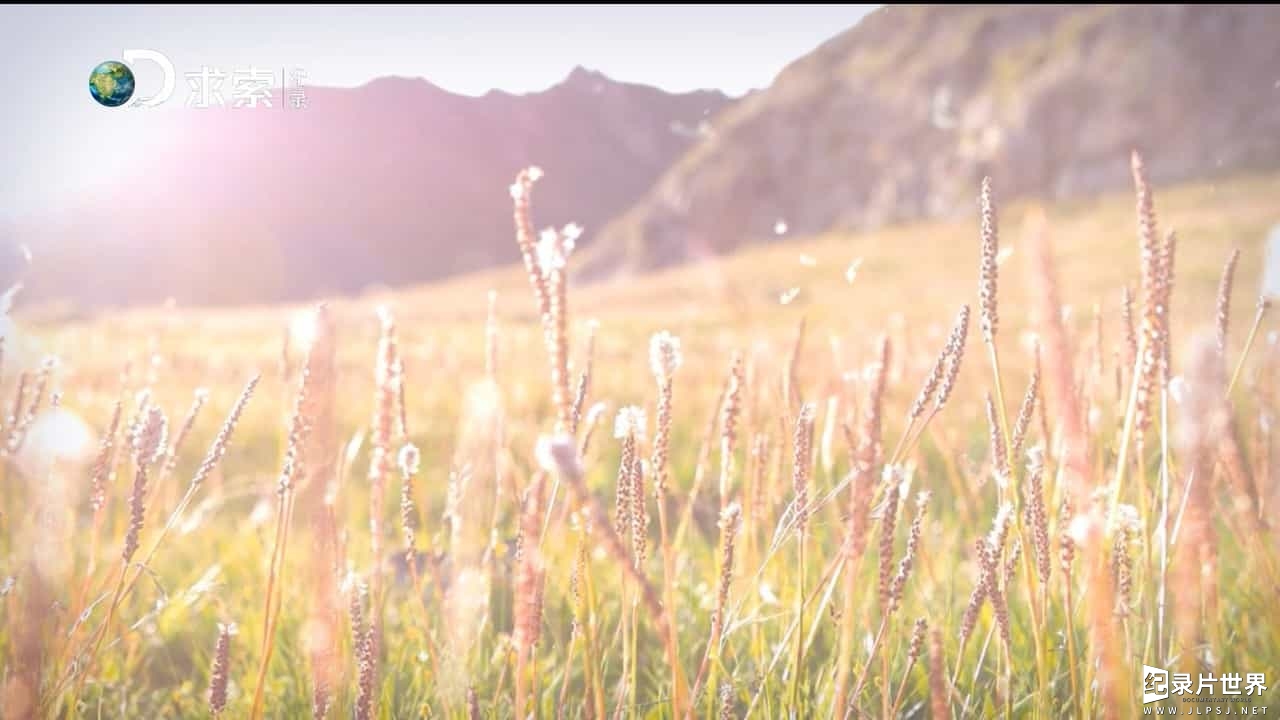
{"type": "Point", "coordinates": [111, 83]}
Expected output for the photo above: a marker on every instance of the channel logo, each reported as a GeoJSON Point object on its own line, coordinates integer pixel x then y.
{"type": "Point", "coordinates": [112, 83]}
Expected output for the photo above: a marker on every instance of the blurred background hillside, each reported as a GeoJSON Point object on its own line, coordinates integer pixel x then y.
{"type": "Point", "coordinates": [398, 181]}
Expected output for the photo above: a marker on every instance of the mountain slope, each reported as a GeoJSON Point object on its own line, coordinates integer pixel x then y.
{"type": "Point", "coordinates": [394, 182]}
{"type": "Point", "coordinates": [900, 117]}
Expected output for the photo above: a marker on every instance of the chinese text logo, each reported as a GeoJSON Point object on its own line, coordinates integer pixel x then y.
{"type": "Point", "coordinates": [1157, 685]}
{"type": "Point", "coordinates": [114, 84]}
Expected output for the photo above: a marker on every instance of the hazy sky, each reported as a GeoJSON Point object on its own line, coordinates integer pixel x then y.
{"type": "Point", "coordinates": [52, 128]}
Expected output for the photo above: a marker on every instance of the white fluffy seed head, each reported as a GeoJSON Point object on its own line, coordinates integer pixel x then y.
{"type": "Point", "coordinates": [1127, 518]}
{"type": "Point", "coordinates": [555, 246]}
{"type": "Point", "coordinates": [559, 454]}
{"type": "Point", "coordinates": [729, 517]}
{"type": "Point", "coordinates": [630, 421]}
{"type": "Point", "coordinates": [524, 181]}
{"type": "Point", "coordinates": [1085, 528]}
{"type": "Point", "coordinates": [410, 459]}
{"type": "Point", "coordinates": [664, 355]}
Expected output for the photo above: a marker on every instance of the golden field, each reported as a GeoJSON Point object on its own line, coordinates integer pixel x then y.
{"type": "Point", "coordinates": [541, 590]}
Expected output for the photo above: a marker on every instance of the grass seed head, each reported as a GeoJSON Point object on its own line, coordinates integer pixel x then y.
{"type": "Point", "coordinates": [939, 702]}
{"type": "Point", "coordinates": [802, 468]}
{"type": "Point", "coordinates": [665, 357]}
{"type": "Point", "coordinates": [955, 354]}
{"type": "Point", "coordinates": [221, 671]}
{"type": "Point", "coordinates": [1023, 424]}
{"type": "Point", "coordinates": [989, 270]}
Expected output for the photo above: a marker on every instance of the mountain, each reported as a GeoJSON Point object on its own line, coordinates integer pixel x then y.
{"type": "Point", "coordinates": [394, 182]}
{"type": "Point", "coordinates": [900, 117]}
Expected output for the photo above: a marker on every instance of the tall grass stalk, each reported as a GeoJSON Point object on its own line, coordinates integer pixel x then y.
{"type": "Point", "coordinates": [298, 428]}
{"type": "Point", "coordinates": [1264, 304]}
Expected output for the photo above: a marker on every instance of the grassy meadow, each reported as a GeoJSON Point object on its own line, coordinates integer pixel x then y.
{"type": "Point", "coordinates": [765, 485]}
